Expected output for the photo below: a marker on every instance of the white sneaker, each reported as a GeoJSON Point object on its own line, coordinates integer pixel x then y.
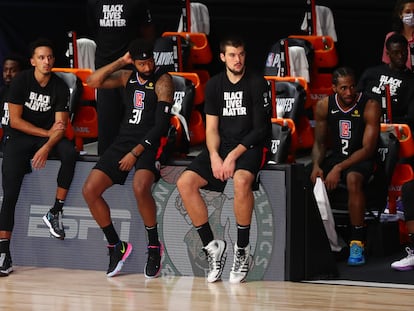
{"type": "Point", "coordinates": [216, 256]}
{"type": "Point", "coordinates": [241, 264]}
{"type": "Point", "coordinates": [405, 264]}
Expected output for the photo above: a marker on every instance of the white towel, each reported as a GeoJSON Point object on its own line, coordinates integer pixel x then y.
{"type": "Point", "coordinates": [325, 25]}
{"type": "Point", "coordinates": [299, 66]}
{"type": "Point", "coordinates": [200, 19]}
{"type": "Point", "coordinates": [325, 210]}
{"type": "Point", "coordinates": [86, 53]}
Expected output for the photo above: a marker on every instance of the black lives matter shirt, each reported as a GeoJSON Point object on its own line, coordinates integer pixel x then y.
{"type": "Point", "coordinates": [39, 103]}
{"type": "Point", "coordinates": [401, 85]}
{"type": "Point", "coordinates": [243, 109]}
{"type": "Point", "coordinates": [115, 24]}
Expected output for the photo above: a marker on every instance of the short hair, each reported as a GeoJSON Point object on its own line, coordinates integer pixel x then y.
{"type": "Point", "coordinates": [233, 41]}
{"type": "Point", "coordinates": [19, 59]}
{"type": "Point", "coordinates": [41, 42]}
{"type": "Point", "coordinates": [141, 49]}
{"type": "Point", "coordinates": [396, 38]}
{"type": "Point", "coordinates": [342, 72]}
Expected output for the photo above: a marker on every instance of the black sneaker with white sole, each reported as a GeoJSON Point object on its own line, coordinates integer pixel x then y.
{"type": "Point", "coordinates": [5, 264]}
{"type": "Point", "coordinates": [53, 221]}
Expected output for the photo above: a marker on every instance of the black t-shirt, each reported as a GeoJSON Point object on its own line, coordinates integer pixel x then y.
{"type": "Point", "coordinates": [243, 108]}
{"type": "Point", "coordinates": [3, 105]}
{"type": "Point", "coordinates": [401, 88]}
{"type": "Point", "coordinates": [116, 23]}
{"type": "Point", "coordinates": [39, 103]}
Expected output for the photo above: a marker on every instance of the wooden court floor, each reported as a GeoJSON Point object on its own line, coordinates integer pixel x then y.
{"type": "Point", "coordinates": [43, 289]}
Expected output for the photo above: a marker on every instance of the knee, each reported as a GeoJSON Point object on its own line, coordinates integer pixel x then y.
{"type": "Point", "coordinates": [142, 187]}
{"type": "Point", "coordinates": [186, 184]}
{"type": "Point", "coordinates": [242, 184]}
{"type": "Point", "coordinates": [88, 191]}
{"type": "Point", "coordinates": [354, 182]}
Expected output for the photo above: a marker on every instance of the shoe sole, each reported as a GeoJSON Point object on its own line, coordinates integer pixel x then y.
{"type": "Point", "coordinates": [120, 264]}
{"type": "Point", "coordinates": [243, 280]}
{"type": "Point", "coordinates": [159, 270]}
{"type": "Point", "coordinates": [407, 268]}
{"type": "Point", "coordinates": [356, 264]}
{"type": "Point", "coordinates": [4, 273]}
{"type": "Point", "coordinates": [52, 232]}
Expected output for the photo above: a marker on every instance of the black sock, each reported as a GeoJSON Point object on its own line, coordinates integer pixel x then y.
{"type": "Point", "coordinates": [243, 234]}
{"type": "Point", "coordinates": [58, 207]}
{"type": "Point", "coordinates": [205, 233]}
{"type": "Point", "coordinates": [152, 233]}
{"type": "Point", "coordinates": [358, 233]}
{"type": "Point", "coordinates": [110, 234]}
{"type": "Point", "coordinates": [5, 246]}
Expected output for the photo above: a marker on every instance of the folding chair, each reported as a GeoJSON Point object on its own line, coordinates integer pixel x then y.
{"type": "Point", "coordinates": [85, 118]}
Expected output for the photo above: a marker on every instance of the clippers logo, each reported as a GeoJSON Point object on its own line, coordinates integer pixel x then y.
{"type": "Point", "coordinates": [345, 129]}
{"type": "Point", "coordinates": [139, 97]}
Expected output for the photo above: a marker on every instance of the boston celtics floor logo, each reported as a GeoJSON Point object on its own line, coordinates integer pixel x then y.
{"type": "Point", "coordinates": [183, 249]}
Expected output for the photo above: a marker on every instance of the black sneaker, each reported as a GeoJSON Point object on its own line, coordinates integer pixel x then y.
{"type": "Point", "coordinates": [5, 264]}
{"type": "Point", "coordinates": [55, 225]}
{"type": "Point", "coordinates": [118, 254]}
{"type": "Point", "coordinates": [153, 265]}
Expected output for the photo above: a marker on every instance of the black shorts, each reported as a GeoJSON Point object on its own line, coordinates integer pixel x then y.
{"type": "Point", "coordinates": [249, 160]}
{"type": "Point", "coordinates": [365, 168]}
{"type": "Point", "coordinates": [109, 161]}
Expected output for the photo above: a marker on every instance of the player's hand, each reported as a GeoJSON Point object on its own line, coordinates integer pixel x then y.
{"type": "Point", "coordinates": [57, 126]}
{"type": "Point", "coordinates": [217, 167]}
{"type": "Point", "coordinates": [40, 157]}
{"type": "Point", "coordinates": [229, 165]}
{"type": "Point", "coordinates": [333, 178]}
{"type": "Point", "coordinates": [127, 162]}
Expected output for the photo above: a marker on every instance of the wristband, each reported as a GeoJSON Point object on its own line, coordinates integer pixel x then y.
{"type": "Point", "coordinates": [134, 153]}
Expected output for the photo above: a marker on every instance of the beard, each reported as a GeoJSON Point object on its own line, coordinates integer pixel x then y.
{"type": "Point", "coordinates": [236, 72]}
{"type": "Point", "coordinates": [146, 76]}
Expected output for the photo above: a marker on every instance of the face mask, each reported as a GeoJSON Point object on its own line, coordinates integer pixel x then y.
{"type": "Point", "coordinates": [408, 19]}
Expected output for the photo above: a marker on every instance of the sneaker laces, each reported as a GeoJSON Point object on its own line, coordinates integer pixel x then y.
{"type": "Point", "coordinates": [240, 259]}
{"type": "Point", "coordinates": [55, 220]}
{"type": "Point", "coordinates": [154, 253]}
{"type": "Point", "coordinates": [210, 258]}
{"type": "Point", "coordinates": [356, 250]}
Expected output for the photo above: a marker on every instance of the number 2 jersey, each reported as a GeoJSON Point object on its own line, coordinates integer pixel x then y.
{"type": "Point", "coordinates": [346, 126]}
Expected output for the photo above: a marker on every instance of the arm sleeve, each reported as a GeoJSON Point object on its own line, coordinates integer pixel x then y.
{"type": "Point", "coordinates": [262, 112]}
{"type": "Point", "coordinates": [160, 128]}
